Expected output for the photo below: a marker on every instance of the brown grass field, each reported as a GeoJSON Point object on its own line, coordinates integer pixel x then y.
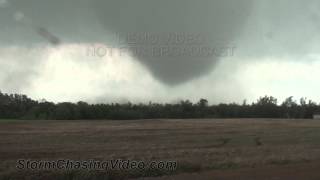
{"type": "Point", "coordinates": [204, 149]}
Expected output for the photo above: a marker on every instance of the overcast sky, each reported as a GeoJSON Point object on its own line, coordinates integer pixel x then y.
{"type": "Point", "coordinates": [162, 51]}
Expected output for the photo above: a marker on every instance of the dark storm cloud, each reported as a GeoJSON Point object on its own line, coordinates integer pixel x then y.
{"type": "Point", "coordinates": [280, 28]}
{"type": "Point", "coordinates": [257, 29]}
{"type": "Point", "coordinates": [214, 23]}
{"type": "Point", "coordinates": [71, 20]}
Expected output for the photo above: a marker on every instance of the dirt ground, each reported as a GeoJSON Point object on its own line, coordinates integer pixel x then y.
{"type": "Point", "coordinates": [304, 171]}
{"type": "Point", "coordinates": [210, 148]}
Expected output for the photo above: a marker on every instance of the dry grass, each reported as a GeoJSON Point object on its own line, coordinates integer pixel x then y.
{"type": "Point", "coordinates": [195, 144]}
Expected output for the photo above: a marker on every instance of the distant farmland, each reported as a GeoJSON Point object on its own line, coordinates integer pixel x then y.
{"type": "Point", "coordinates": [197, 145]}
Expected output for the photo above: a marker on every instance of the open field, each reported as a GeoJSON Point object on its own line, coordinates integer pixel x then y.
{"type": "Point", "coordinates": [221, 149]}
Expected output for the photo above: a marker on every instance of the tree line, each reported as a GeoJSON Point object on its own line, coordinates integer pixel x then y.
{"type": "Point", "coordinates": [17, 106]}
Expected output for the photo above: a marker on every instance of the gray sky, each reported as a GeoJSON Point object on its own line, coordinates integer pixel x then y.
{"type": "Point", "coordinates": [142, 50]}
